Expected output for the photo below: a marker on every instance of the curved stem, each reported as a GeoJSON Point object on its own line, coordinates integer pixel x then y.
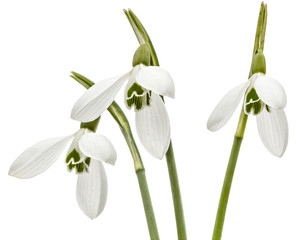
{"type": "Point", "coordinates": [173, 176]}
{"type": "Point", "coordinates": [123, 123]}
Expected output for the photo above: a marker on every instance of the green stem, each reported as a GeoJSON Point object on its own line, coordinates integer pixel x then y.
{"type": "Point", "coordinates": [177, 202]}
{"type": "Point", "coordinates": [147, 204]}
{"type": "Point", "coordinates": [123, 123]}
{"type": "Point", "coordinates": [117, 113]}
{"type": "Point", "coordinates": [173, 176]}
{"type": "Point", "coordinates": [238, 137]}
{"type": "Point", "coordinates": [239, 134]}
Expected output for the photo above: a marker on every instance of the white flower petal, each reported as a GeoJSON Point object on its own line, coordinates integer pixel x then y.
{"type": "Point", "coordinates": [38, 157]}
{"type": "Point", "coordinates": [153, 127]}
{"type": "Point", "coordinates": [270, 92]}
{"type": "Point", "coordinates": [91, 192]}
{"type": "Point", "coordinates": [156, 79]}
{"type": "Point", "coordinates": [225, 108]}
{"type": "Point", "coordinates": [97, 98]}
{"type": "Point", "coordinates": [98, 147]}
{"type": "Point", "coordinates": [273, 130]}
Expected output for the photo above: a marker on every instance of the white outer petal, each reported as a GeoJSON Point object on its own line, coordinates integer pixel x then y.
{"type": "Point", "coordinates": [270, 92]}
{"type": "Point", "coordinates": [153, 127]}
{"type": "Point", "coordinates": [98, 147]}
{"type": "Point", "coordinates": [273, 130]}
{"type": "Point", "coordinates": [225, 108]}
{"type": "Point", "coordinates": [97, 98]}
{"type": "Point", "coordinates": [91, 192]}
{"type": "Point", "coordinates": [39, 157]}
{"type": "Point", "coordinates": [156, 79]}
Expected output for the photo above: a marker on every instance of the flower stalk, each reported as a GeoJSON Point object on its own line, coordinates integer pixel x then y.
{"type": "Point", "coordinates": [123, 123]}
{"type": "Point", "coordinates": [239, 134]}
{"type": "Point", "coordinates": [143, 38]}
{"type": "Point", "coordinates": [238, 138]}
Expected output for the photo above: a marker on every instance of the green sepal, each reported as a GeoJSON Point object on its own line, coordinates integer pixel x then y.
{"type": "Point", "coordinates": [258, 63]}
{"type": "Point", "coordinates": [142, 56]}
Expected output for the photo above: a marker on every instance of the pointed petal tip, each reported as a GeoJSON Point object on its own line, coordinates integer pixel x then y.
{"type": "Point", "coordinates": [210, 126]}
{"type": "Point", "coordinates": [97, 98]}
{"type": "Point", "coordinates": [39, 157]}
{"type": "Point", "coordinates": [226, 107]}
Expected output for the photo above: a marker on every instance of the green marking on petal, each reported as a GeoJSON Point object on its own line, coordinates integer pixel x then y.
{"type": "Point", "coordinates": [137, 96]}
{"type": "Point", "coordinates": [73, 161]}
{"type": "Point", "coordinates": [252, 103]}
{"type": "Point", "coordinates": [73, 155]}
{"type": "Point", "coordinates": [71, 166]}
{"type": "Point", "coordinates": [80, 168]}
{"type": "Point", "coordinates": [135, 88]}
{"type": "Point", "coordinates": [87, 161]}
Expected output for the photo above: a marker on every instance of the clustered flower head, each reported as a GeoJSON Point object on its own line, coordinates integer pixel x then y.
{"type": "Point", "coordinates": [265, 98]}
{"type": "Point", "coordinates": [145, 84]}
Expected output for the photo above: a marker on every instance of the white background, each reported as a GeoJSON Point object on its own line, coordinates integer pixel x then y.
{"type": "Point", "coordinates": [207, 48]}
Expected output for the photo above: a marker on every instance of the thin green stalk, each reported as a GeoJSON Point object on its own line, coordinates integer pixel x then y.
{"type": "Point", "coordinates": [238, 138]}
{"type": "Point", "coordinates": [179, 215]}
{"type": "Point", "coordinates": [173, 176]}
{"type": "Point", "coordinates": [123, 123]}
{"type": "Point", "coordinates": [239, 134]}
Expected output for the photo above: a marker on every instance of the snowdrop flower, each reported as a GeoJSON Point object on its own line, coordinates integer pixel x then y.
{"type": "Point", "coordinates": [144, 85]}
{"type": "Point", "coordinates": [85, 155]}
{"type": "Point", "coordinates": [265, 98]}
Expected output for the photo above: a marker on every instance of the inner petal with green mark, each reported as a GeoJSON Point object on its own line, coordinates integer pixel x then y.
{"type": "Point", "coordinates": [137, 97]}
{"type": "Point", "coordinates": [74, 160]}
{"type": "Point", "coordinates": [252, 103]}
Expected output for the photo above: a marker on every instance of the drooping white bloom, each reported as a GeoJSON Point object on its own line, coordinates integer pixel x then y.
{"type": "Point", "coordinates": [144, 85]}
{"type": "Point", "coordinates": [265, 98]}
{"type": "Point", "coordinates": [85, 155]}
